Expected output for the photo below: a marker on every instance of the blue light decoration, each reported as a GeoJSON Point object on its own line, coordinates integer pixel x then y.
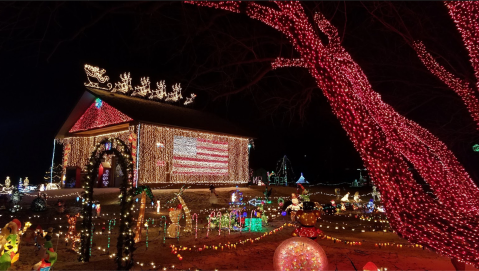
{"type": "Point", "coordinates": [255, 202]}
{"type": "Point", "coordinates": [98, 103]}
{"type": "Point", "coordinates": [108, 146]}
{"type": "Point", "coordinates": [93, 205]}
{"type": "Point", "coordinates": [78, 199]}
{"type": "Point", "coordinates": [136, 199]}
{"type": "Point", "coordinates": [284, 213]}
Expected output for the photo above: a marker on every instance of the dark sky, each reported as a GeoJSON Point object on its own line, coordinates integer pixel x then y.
{"type": "Point", "coordinates": [43, 47]}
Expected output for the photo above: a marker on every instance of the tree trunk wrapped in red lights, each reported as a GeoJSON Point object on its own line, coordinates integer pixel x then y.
{"type": "Point", "coordinates": [386, 141]}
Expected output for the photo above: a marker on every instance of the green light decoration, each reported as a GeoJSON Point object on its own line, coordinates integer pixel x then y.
{"type": "Point", "coordinates": [475, 147]}
{"type": "Point", "coordinates": [256, 224]}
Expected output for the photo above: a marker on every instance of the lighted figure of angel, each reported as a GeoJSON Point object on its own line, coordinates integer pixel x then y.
{"type": "Point", "coordinates": [345, 198]}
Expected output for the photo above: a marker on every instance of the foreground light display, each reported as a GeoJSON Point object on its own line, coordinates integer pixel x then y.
{"type": "Point", "coordinates": [387, 142]}
{"type": "Point", "coordinates": [299, 253]}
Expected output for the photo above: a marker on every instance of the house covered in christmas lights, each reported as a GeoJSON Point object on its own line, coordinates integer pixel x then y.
{"type": "Point", "coordinates": [170, 144]}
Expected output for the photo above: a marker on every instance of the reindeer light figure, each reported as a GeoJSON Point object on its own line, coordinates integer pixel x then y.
{"type": "Point", "coordinates": [125, 85]}
{"type": "Point", "coordinates": [144, 89]}
{"type": "Point", "coordinates": [176, 94]}
{"type": "Point", "coordinates": [160, 91]}
{"type": "Point", "coordinates": [72, 233]}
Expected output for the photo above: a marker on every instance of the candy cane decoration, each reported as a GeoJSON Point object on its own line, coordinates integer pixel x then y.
{"type": "Point", "coordinates": [218, 214]}
{"type": "Point", "coordinates": [209, 222]}
{"type": "Point", "coordinates": [195, 215]}
{"type": "Point", "coordinates": [251, 220]}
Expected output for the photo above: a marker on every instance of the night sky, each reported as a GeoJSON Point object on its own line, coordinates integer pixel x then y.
{"type": "Point", "coordinates": [43, 47]}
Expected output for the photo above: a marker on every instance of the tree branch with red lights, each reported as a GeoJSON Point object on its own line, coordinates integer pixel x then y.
{"type": "Point", "coordinates": [387, 141]}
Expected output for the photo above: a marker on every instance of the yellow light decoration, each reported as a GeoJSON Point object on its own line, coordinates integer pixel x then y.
{"type": "Point", "coordinates": [141, 217]}
{"type": "Point", "coordinates": [237, 171]}
{"type": "Point", "coordinates": [189, 223]}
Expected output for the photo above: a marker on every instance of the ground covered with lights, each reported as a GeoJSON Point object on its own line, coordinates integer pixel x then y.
{"type": "Point", "coordinates": [351, 238]}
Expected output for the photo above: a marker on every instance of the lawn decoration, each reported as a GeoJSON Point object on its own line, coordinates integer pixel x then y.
{"type": "Point", "coordinates": [294, 207]}
{"type": "Point", "coordinates": [357, 199]}
{"type": "Point", "coordinates": [16, 198]}
{"type": "Point", "coordinates": [141, 217]}
{"type": "Point", "coordinates": [345, 198]}
{"type": "Point", "coordinates": [189, 222]}
{"type": "Point", "coordinates": [280, 202]}
{"type": "Point", "coordinates": [173, 230]}
{"type": "Point", "coordinates": [304, 193]}
{"type": "Point", "coordinates": [49, 256]}
{"type": "Point", "coordinates": [60, 206]}
{"type": "Point", "coordinates": [267, 193]}
{"type": "Point", "coordinates": [8, 182]}
{"type": "Point", "coordinates": [9, 241]}
{"type": "Point", "coordinates": [307, 219]}
{"type": "Point", "coordinates": [236, 198]}
{"type": "Point", "coordinates": [337, 192]}
{"type": "Point", "coordinates": [39, 204]}
{"type": "Point", "coordinates": [26, 182]}
{"type": "Point", "coordinates": [254, 224]}
{"type": "Point", "coordinates": [299, 253]}
{"type": "Point", "coordinates": [72, 232]}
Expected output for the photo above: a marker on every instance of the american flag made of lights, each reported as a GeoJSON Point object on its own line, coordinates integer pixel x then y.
{"type": "Point", "coordinates": [198, 156]}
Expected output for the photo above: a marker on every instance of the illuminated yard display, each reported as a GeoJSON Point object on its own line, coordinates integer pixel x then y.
{"type": "Point", "coordinates": [387, 141]}
{"type": "Point", "coordinates": [256, 223]}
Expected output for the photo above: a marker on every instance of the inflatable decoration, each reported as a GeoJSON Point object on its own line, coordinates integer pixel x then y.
{"type": "Point", "coordinates": [307, 219]}
{"type": "Point", "coordinates": [49, 256]}
{"type": "Point", "coordinates": [299, 253]}
{"type": "Point", "coordinates": [370, 267]}
{"type": "Point", "coordinates": [295, 206]}
{"type": "Point", "coordinates": [9, 241]}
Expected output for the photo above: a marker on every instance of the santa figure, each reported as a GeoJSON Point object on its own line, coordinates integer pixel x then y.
{"type": "Point", "coordinates": [294, 207]}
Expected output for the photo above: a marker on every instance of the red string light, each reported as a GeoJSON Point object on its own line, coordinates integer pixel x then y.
{"type": "Point", "coordinates": [99, 114]}
{"type": "Point", "coordinates": [385, 140]}
{"type": "Point", "coordinates": [465, 15]}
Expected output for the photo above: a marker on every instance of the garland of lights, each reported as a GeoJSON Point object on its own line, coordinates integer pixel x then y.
{"type": "Point", "coordinates": [125, 244]}
{"type": "Point", "coordinates": [386, 140]}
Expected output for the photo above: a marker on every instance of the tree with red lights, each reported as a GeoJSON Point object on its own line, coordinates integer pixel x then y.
{"type": "Point", "coordinates": [387, 142]}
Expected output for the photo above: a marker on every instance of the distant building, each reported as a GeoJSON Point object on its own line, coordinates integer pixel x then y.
{"type": "Point", "coordinates": [174, 144]}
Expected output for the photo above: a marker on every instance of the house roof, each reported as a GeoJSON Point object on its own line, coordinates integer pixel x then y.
{"type": "Point", "coordinates": [148, 111]}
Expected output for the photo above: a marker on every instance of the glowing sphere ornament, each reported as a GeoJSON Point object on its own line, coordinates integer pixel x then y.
{"type": "Point", "coordinates": [299, 253]}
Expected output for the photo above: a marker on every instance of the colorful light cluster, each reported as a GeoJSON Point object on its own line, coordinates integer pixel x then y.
{"type": "Point", "coordinates": [299, 253]}
{"type": "Point", "coordinates": [180, 142]}
{"type": "Point", "coordinates": [386, 140]}
{"type": "Point", "coordinates": [97, 117]}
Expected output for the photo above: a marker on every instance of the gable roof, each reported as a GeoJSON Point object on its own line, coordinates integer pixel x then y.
{"type": "Point", "coordinates": [153, 112]}
{"type": "Point", "coordinates": [99, 114]}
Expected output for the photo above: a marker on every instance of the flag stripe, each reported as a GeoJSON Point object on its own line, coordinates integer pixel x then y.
{"type": "Point", "coordinates": [199, 156]}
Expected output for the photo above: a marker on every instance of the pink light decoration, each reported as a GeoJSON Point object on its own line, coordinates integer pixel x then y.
{"type": "Point", "coordinates": [195, 215]}
{"type": "Point", "coordinates": [99, 117]}
{"type": "Point", "coordinates": [213, 214]}
{"type": "Point", "coordinates": [386, 140]}
{"type": "Point", "coordinates": [218, 214]}
{"type": "Point", "coordinates": [299, 253]}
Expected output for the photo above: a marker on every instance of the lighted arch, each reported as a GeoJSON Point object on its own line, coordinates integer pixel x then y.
{"type": "Point", "coordinates": [125, 244]}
